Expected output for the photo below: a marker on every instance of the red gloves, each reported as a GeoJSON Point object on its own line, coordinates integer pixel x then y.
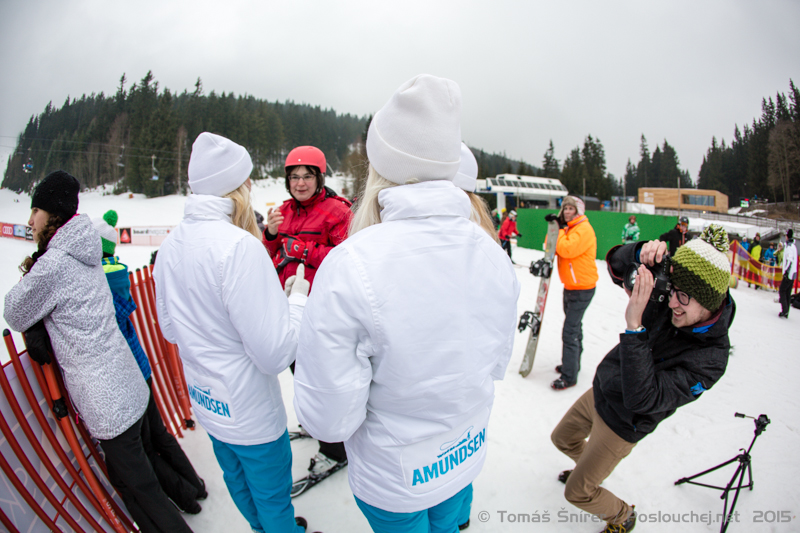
{"type": "Point", "coordinates": [292, 249]}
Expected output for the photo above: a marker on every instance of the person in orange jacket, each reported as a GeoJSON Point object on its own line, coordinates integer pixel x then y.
{"type": "Point", "coordinates": [576, 249]}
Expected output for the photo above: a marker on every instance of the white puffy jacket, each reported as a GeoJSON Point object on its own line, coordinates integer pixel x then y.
{"type": "Point", "coordinates": [409, 323]}
{"type": "Point", "coordinates": [219, 299]}
{"type": "Point", "coordinates": [789, 266]}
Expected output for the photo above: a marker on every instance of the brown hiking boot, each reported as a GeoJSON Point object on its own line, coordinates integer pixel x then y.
{"type": "Point", "coordinates": [624, 527]}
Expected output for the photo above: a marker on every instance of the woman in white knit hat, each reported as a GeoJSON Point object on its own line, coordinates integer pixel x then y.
{"type": "Point", "coordinates": [411, 320]}
{"type": "Point", "coordinates": [220, 301]}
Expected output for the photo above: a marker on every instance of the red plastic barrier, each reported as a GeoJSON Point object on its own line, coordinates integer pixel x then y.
{"type": "Point", "coordinates": [147, 333]}
{"type": "Point", "coordinates": [170, 351]}
{"type": "Point", "coordinates": [45, 426]}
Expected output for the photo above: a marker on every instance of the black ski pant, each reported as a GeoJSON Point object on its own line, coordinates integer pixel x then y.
{"type": "Point", "coordinates": [131, 474]}
{"type": "Point", "coordinates": [506, 244]}
{"type": "Point", "coordinates": [575, 304]}
{"type": "Point", "coordinates": [785, 292]}
{"type": "Point", "coordinates": [173, 469]}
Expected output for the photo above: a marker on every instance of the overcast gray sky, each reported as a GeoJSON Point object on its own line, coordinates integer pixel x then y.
{"type": "Point", "coordinates": [529, 71]}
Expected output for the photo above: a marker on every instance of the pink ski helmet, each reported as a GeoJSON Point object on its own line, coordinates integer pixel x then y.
{"type": "Point", "coordinates": [307, 156]}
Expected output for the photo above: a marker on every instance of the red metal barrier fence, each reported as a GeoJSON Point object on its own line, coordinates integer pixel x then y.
{"type": "Point", "coordinates": [55, 478]}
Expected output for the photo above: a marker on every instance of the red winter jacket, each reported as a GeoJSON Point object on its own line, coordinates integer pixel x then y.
{"type": "Point", "coordinates": [508, 229]}
{"type": "Point", "coordinates": [321, 222]}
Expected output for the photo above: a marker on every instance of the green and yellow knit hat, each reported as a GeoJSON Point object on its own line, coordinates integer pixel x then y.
{"type": "Point", "coordinates": [701, 269]}
{"type": "Point", "coordinates": [108, 235]}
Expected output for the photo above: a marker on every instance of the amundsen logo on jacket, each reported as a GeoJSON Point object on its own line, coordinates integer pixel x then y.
{"type": "Point", "coordinates": [455, 454]}
{"type": "Point", "coordinates": [429, 464]}
{"type": "Point", "coordinates": [213, 404]}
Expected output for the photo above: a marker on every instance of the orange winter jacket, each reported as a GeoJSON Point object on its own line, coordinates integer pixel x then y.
{"type": "Point", "coordinates": [576, 249]}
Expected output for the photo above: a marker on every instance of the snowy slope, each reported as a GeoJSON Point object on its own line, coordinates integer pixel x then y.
{"type": "Point", "coordinates": [519, 476]}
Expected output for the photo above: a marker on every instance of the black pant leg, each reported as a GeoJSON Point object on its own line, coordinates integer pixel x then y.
{"type": "Point", "coordinates": [785, 292]}
{"type": "Point", "coordinates": [333, 450]}
{"type": "Point", "coordinates": [167, 446]}
{"type": "Point", "coordinates": [131, 473]}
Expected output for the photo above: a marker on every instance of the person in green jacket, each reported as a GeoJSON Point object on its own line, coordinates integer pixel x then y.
{"type": "Point", "coordinates": [630, 233]}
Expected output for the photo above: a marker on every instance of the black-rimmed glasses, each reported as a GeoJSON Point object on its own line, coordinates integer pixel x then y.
{"type": "Point", "coordinates": [683, 298]}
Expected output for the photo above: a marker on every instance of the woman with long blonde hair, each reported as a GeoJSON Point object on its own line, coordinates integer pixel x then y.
{"type": "Point", "coordinates": [411, 320]}
{"type": "Point", "coordinates": [220, 301]}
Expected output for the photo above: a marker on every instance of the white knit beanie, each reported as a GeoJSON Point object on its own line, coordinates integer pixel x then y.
{"type": "Point", "coordinates": [467, 175]}
{"type": "Point", "coordinates": [217, 165]}
{"type": "Point", "coordinates": [108, 235]}
{"type": "Point", "coordinates": [417, 134]}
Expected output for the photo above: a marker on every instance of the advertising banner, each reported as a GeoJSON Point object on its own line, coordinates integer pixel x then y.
{"type": "Point", "coordinates": [152, 236]}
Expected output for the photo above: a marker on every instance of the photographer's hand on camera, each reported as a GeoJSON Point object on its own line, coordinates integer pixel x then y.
{"type": "Point", "coordinates": [640, 296]}
{"type": "Point", "coordinates": [652, 252]}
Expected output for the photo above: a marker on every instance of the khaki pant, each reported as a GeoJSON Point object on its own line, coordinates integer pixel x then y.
{"type": "Point", "coordinates": [595, 459]}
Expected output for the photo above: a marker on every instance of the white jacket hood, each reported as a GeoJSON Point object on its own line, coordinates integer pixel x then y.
{"type": "Point", "coordinates": [425, 199]}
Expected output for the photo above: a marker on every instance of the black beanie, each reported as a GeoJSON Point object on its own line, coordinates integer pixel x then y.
{"type": "Point", "coordinates": [57, 194]}
{"type": "Point", "coordinates": [790, 233]}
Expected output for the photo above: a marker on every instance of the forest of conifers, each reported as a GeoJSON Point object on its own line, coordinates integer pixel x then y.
{"type": "Point", "coordinates": [140, 140]}
{"type": "Point", "coordinates": [112, 139]}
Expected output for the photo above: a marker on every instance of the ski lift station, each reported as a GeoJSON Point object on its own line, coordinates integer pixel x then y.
{"type": "Point", "coordinates": [514, 191]}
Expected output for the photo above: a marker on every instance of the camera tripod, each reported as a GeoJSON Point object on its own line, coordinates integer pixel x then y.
{"type": "Point", "coordinates": [744, 460]}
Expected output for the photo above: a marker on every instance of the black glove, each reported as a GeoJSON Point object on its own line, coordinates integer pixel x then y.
{"type": "Point", "coordinates": [551, 217]}
{"type": "Point", "coordinates": [519, 234]}
{"type": "Point", "coordinates": [38, 342]}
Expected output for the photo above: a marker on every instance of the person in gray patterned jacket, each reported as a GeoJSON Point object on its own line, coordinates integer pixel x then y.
{"type": "Point", "coordinates": [64, 295]}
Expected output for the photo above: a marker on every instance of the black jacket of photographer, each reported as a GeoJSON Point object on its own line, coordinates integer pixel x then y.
{"type": "Point", "coordinates": [648, 375]}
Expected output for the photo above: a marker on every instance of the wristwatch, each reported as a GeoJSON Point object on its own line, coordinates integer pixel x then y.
{"type": "Point", "coordinates": [637, 330]}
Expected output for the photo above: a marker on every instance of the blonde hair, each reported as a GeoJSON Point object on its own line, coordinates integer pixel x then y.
{"type": "Point", "coordinates": [479, 214]}
{"type": "Point", "coordinates": [243, 215]}
{"type": "Point", "coordinates": [368, 211]}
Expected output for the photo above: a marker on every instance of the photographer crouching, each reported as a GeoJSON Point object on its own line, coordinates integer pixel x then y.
{"type": "Point", "coordinates": [674, 348]}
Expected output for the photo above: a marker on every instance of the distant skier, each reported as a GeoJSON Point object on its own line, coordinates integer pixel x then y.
{"type": "Point", "coordinates": [789, 268]}
{"type": "Point", "coordinates": [402, 370]}
{"type": "Point", "coordinates": [630, 233]}
{"type": "Point", "coordinates": [507, 230]}
{"type": "Point", "coordinates": [576, 250]}
{"type": "Point", "coordinates": [671, 352]}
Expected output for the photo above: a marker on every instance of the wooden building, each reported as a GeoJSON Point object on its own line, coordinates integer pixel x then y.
{"type": "Point", "coordinates": [689, 199]}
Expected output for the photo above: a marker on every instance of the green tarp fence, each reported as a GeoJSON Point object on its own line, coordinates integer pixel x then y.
{"type": "Point", "coordinates": [607, 225]}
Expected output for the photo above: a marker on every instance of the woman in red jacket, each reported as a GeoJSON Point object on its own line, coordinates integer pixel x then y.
{"type": "Point", "coordinates": [507, 230]}
{"type": "Point", "coordinates": [303, 230]}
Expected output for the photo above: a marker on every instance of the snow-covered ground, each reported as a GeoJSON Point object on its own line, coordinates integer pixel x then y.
{"type": "Point", "coordinates": [520, 473]}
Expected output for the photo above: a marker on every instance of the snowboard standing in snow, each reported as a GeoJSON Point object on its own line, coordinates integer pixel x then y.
{"type": "Point", "coordinates": [543, 268]}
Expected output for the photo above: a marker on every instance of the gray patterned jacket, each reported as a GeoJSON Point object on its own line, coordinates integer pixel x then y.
{"type": "Point", "coordinates": [68, 288]}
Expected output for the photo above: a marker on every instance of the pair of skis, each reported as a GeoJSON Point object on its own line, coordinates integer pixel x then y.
{"type": "Point", "coordinates": [303, 484]}
{"type": "Point", "coordinates": [533, 319]}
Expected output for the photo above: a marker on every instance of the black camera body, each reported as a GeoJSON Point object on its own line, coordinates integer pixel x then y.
{"type": "Point", "coordinates": [662, 287]}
